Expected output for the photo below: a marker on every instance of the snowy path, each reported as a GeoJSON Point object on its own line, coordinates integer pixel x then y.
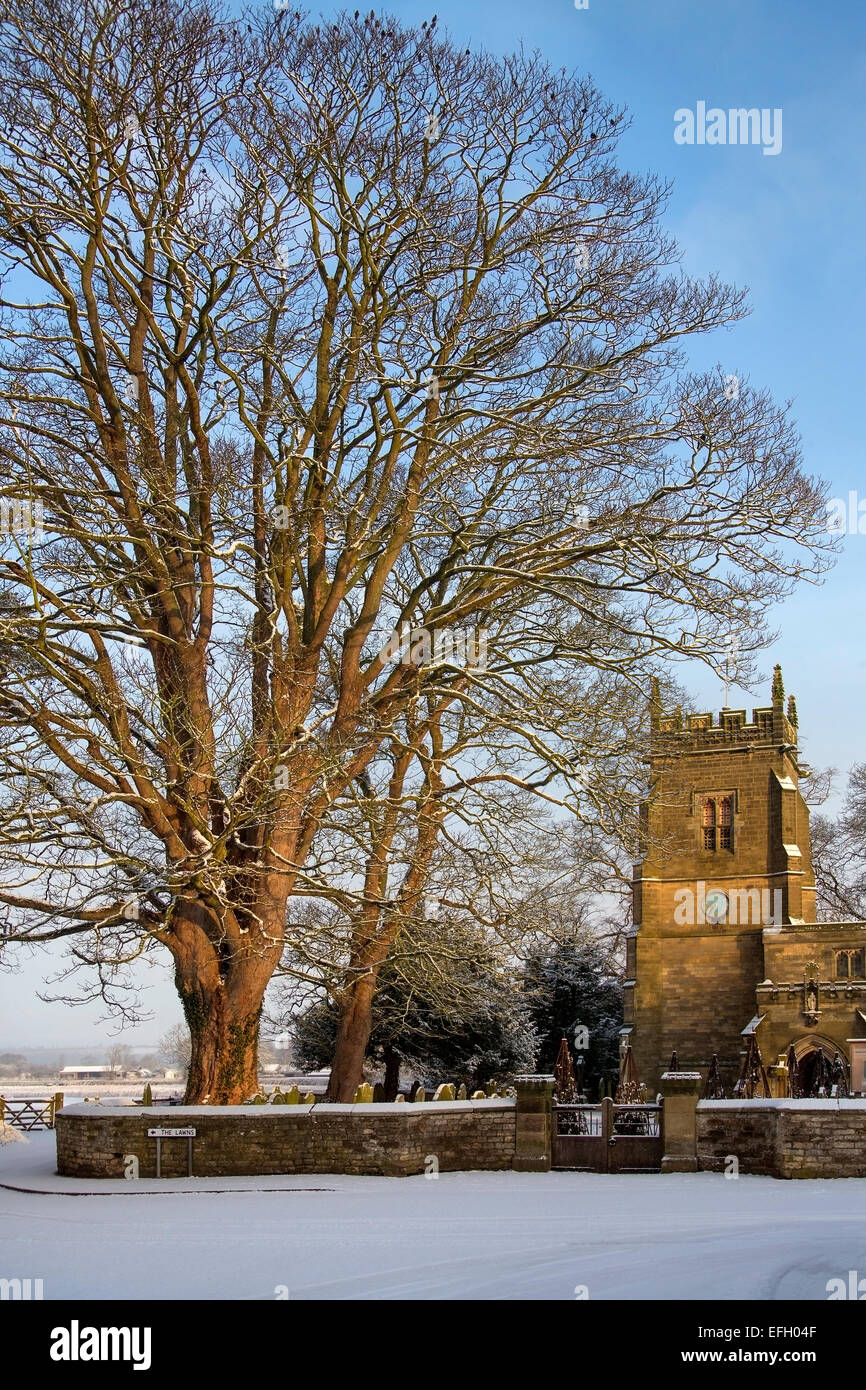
{"type": "Point", "coordinates": [461, 1236]}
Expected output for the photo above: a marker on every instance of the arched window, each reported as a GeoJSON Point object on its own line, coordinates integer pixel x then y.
{"type": "Point", "coordinates": [726, 823]}
{"type": "Point", "coordinates": [850, 965]}
{"type": "Point", "coordinates": [709, 819]}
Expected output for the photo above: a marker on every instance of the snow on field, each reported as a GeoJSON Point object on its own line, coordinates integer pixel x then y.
{"type": "Point", "coordinates": [461, 1236]}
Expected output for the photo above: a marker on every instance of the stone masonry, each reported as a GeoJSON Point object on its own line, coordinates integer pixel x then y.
{"type": "Point", "coordinates": [784, 1138]}
{"type": "Point", "coordinates": [393, 1140]}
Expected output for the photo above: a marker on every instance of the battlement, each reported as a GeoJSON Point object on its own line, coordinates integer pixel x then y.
{"type": "Point", "coordinates": [703, 731]}
{"type": "Point", "coordinates": [769, 724]}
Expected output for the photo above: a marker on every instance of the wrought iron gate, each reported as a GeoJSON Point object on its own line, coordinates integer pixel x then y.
{"type": "Point", "coordinates": [608, 1138]}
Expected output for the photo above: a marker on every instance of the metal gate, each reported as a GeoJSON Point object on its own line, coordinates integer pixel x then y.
{"type": "Point", "coordinates": [608, 1138]}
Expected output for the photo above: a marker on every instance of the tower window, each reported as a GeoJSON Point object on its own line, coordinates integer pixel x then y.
{"type": "Point", "coordinates": [850, 965]}
{"type": "Point", "coordinates": [717, 823]}
{"type": "Point", "coordinates": [726, 823]}
{"type": "Point", "coordinates": [709, 819]}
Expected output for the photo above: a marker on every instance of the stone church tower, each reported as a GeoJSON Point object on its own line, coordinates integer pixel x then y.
{"type": "Point", "coordinates": [727, 865]}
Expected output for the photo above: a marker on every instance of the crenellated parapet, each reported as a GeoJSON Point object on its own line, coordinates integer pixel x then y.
{"type": "Point", "coordinates": [769, 725]}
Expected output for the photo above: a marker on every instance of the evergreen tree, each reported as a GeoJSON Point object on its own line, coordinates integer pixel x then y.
{"type": "Point", "coordinates": [446, 1014]}
{"type": "Point", "coordinates": [573, 984]}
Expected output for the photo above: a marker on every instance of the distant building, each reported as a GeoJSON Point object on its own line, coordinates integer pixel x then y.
{"type": "Point", "coordinates": [91, 1073]}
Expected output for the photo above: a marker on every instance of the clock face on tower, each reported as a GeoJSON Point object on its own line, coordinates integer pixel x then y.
{"type": "Point", "coordinates": [716, 906]}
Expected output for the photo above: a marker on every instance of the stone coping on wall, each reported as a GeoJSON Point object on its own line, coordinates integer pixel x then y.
{"type": "Point", "coordinates": [762, 1103]}
{"type": "Point", "coordinates": [395, 1108]}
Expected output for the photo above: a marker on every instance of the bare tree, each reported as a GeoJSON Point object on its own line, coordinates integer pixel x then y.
{"type": "Point", "coordinates": [504, 830]}
{"type": "Point", "coordinates": [174, 1048]}
{"type": "Point", "coordinates": [310, 331]}
{"type": "Point", "coordinates": [839, 853]}
{"type": "Point", "coordinates": [120, 1057]}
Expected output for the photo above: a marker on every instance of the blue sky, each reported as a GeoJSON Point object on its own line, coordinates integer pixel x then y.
{"type": "Point", "coordinates": [790, 226]}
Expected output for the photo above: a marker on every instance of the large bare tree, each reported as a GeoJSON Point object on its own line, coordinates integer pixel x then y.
{"type": "Point", "coordinates": [310, 331]}
{"type": "Point", "coordinates": [474, 810]}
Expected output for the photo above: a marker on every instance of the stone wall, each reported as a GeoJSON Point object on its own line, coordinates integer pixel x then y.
{"type": "Point", "coordinates": [394, 1140]}
{"type": "Point", "coordinates": [784, 1138]}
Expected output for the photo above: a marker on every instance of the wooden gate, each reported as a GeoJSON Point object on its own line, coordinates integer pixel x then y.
{"type": "Point", "coordinates": [30, 1113]}
{"type": "Point", "coordinates": [608, 1138]}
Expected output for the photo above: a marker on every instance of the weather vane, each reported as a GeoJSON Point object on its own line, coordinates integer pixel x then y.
{"type": "Point", "coordinates": [732, 649]}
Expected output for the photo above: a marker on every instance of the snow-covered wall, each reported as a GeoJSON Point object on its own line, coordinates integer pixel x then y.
{"type": "Point", "coordinates": [784, 1138]}
{"type": "Point", "coordinates": [395, 1140]}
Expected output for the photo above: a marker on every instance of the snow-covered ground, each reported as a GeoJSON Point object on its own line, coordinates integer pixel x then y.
{"type": "Point", "coordinates": [460, 1236]}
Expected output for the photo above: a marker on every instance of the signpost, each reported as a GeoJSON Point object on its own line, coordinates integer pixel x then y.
{"type": "Point", "coordinates": [178, 1133]}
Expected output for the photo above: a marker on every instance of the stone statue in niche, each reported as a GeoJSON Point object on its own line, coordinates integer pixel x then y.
{"type": "Point", "coordinates": [810, 992]}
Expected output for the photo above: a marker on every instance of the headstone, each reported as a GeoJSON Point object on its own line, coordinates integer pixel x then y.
{"type": "Point", "coordinates": [397, 1099]}
{"type": "Point", "coordinates": [309, 1098]}
{"type": "Point", "coordinates": [461, 1091]}
{"type": "Point", "coordinates": [292, 1096]}
{"type": "Point", "coordinates": [479, 1095]}
{"type": "Point", "coordinates": [378, 1093]}
{"type": "Point", "coordinates": [420, 1095]}
{"type": "Point", "coordinates": [364, 1094]}
{"type": "Point", "coordinates": [445, 1092]}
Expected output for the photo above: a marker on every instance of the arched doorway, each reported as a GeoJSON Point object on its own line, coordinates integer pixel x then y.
{"type": "Point", "coordinates": [814, 1056]}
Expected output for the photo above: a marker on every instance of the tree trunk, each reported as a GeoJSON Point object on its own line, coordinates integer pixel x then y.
{"type": "Point", "coordinates": [392, 1073]}
{"type": "Point", "coordinates": [221, 988]}
{"type": "Point", "coordinates": [224, 1064]}
{"type": "Point", "coordinates": [353, 1035]}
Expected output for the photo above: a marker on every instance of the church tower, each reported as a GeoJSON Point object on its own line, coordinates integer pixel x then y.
{"type": "Point", "coordinates": [727, 857]}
